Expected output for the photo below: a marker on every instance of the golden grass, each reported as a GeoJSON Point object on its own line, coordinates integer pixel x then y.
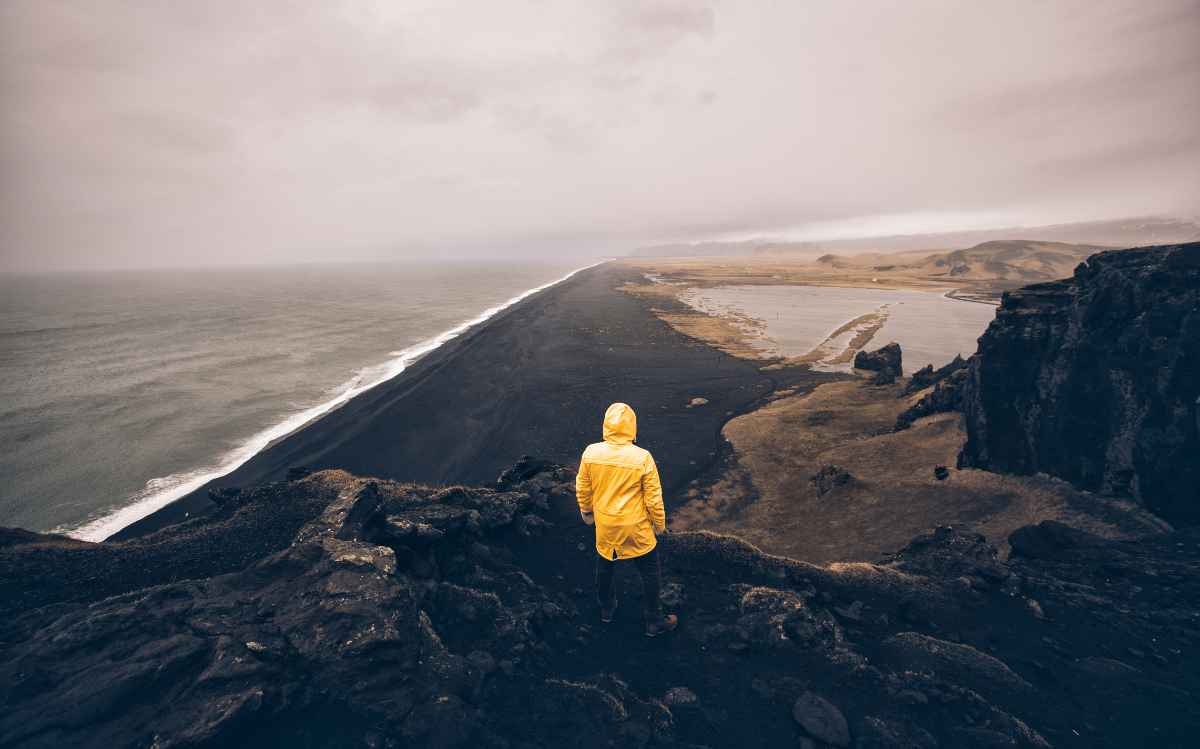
{"type": "Point", "coordinates": [769, 500]}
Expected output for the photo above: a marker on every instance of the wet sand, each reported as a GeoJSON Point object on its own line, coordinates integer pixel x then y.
{"type": "Point", "coordinates": [534, 380]}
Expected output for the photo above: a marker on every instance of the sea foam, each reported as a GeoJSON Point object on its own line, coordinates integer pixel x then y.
{"type": "Point", "coordinates": [160, 492]}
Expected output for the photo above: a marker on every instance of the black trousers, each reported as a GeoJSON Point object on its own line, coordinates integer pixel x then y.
{"type": "Point", "coordinates": [648, 569]}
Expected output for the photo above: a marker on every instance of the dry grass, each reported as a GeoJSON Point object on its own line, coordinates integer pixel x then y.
{"type": "Point", "coordinates": [769, 500]}
{"type": "Point", "coordinates": [775, 270]}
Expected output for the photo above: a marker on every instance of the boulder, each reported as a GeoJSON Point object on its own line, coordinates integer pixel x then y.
{"type": "Point", "coordinates": [1049, 539]}
{"type": "Point", "coordinates": [960, 662]}
{"type": "Point", "coordinates": [821, 719]}
{"type": "Point", "coordinates": [523, 470]}
{"type": "Point", "coordinates": [885, 362]}
{"type": "Point", "coordinates": [952, 553]}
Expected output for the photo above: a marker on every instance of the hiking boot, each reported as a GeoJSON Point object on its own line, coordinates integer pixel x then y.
{"type": "Point", "coordinates": [606, 612]}
{"type": "Point", "coordinates": [667, 624]}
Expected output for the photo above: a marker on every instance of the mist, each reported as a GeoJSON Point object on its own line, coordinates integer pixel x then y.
{"type": "Point", "coordinates": [174, 134]}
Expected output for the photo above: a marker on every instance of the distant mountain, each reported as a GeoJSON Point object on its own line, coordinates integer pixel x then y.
{"type": "Point", "coordinates": [1010, 260]}
{"type": "Point", "coordinates": [876, 260]}
{"type": "Point", "coordinates": [1121, 233]}
{"type": "Point", "coordinates": [716, 249]}
{"type": "Point", "coordinates": [1019, 260]}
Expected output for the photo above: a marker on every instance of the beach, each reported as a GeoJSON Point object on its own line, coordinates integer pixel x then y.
{"type": "Point", "coordinates": [532, 380]}
{"type": "Point", "coordinates": [125, 390]}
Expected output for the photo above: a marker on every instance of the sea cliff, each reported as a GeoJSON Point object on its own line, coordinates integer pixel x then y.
{"type": "Point", "coordinates": [1096, 379]}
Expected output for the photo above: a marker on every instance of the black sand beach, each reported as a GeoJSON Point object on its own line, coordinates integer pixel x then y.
{"type": "Point", "coordinates": [534, 380]}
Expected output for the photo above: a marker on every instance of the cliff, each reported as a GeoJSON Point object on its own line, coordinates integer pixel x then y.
{"type": "Point", "coordinates": [405, 615]}
{"type": "Point", "coordinates": [1095, 379]}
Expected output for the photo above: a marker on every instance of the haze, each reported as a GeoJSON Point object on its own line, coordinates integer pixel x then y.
{"type": "Point", "coordinates": [185, 133]}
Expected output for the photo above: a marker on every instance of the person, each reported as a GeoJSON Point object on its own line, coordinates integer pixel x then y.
{"type": "Point", "coordinates": [619, 492]}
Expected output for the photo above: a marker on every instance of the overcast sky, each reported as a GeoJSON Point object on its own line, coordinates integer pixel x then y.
{"type": "Point", "coordinates": [163, 132]}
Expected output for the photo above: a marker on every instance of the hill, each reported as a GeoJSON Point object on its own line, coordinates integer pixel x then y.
{"type": "Point", "coordinates": [1009, 260]}
{"type": "Point", "coordinates": [1131, 232]}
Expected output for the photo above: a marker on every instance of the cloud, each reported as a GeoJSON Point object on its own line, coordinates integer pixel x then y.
{"type": "Point", "coordinates": [183, 133]}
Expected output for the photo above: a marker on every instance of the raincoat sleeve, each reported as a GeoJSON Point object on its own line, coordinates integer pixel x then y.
{"type": "Point", "coordinates": [583, 488]}
{"type": "Point", "coordinates": [652, 496]}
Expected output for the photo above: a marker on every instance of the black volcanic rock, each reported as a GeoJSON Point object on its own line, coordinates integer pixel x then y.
{"type": "Point", "coordinates": [1095, 379]}
{"type": "Point", "coordinates": [406, 615]}
{"type": "Point", "coordinates": [47, 569]}
{"type": "Point", "coordinates": [946, 396]}
{"type": "Point", "coordinates": [524, 469]}
{"type": "Point", "coordinates": [1050, 539]}
{"type": "Point", "coordinates": [927, 376]}
{"type": "Point", "coordinates": [885, 361]}
{"type": "Point", "coordinates": [821, 720]}
{"type": "Point", "coordinates": [950, 553]}
{"type": "Point", "coordinates": [920, 380]}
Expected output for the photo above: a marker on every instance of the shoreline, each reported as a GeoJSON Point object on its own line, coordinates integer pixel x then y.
{"type": "Point", "coordinates": [532, 379]}
{"type": "Point", "coordinates": [748, 334]}
{"type": "Point", "coordinates": [148, 502]}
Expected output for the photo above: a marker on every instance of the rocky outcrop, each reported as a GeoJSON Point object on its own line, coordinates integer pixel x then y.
{"type": "Point", "coordinates": [1096, 379]}
{"type": "Point", "coordinates": [829, 478]}
{"type": "Point", "coordinates": [946, 395]}
{"type": "Point", "coordinates": [405, 615]}
{"type": "Point", "coordinates": [885, 362]}
{"type": "Point", "coordinates": [927, 376]}
{"type": "Point", "coordinates": [46, 569]}
{"type": "Point", "coordinates": [369, 626]}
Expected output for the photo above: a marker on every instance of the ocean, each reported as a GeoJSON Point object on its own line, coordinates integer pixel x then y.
{"type": "Point", "coordinates": [122, 390]}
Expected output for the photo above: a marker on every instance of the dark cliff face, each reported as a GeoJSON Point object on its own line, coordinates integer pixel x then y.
{"type": "Point", "coordinates": [1095, 379]}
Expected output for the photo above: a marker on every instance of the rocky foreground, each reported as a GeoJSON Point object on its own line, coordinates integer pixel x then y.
{"type": "Point", "coordinates": [404, 615]}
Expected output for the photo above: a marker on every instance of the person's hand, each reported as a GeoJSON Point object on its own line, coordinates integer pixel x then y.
{"type": "Point", "coordinates": [587, 517]}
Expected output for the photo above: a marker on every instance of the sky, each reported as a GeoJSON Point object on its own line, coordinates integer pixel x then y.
{"type": "Point", "coordinates": [208, 133]}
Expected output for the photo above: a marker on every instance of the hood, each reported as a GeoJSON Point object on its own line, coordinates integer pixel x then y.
{"type": "Point", "coordinates": [620, 424]}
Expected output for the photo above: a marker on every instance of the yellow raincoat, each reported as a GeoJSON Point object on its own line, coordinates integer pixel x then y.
{"type": "Point", "coordinates": [618, 482]}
